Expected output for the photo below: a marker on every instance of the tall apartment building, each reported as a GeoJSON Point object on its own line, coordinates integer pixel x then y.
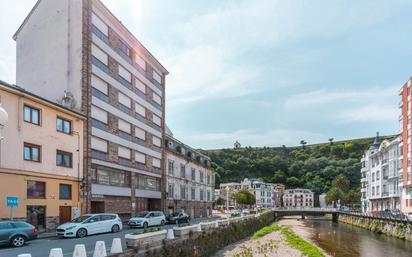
{"type": "Point", "coordinates": [78, 54]}
{"type": "Point", "coordinates": [41, 156]}
{"type": "Point", "coordinates": [297, 198]}
{"type": "Point", "coordinates": [189, 178]}
{"type": "Point", "coordinates": [380, 171]}
{"type": "Point", "coordinates": [405, 124]}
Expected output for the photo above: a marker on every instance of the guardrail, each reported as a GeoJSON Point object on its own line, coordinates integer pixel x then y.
{"type": "Point", "coordinates": [378, 216]}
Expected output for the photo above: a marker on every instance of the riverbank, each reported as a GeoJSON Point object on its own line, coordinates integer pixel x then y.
{"type": "Point", "coordinates": [283, 238]}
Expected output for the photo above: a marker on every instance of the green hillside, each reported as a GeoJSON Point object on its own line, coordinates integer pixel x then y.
{"type": "Point", "coordinates": [313, 166]}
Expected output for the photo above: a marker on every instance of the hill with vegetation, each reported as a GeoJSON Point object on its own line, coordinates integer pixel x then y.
{"type": "Point", "coordinates": [332, 167]}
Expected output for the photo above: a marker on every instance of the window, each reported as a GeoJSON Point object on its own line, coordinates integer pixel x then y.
{"type": "Point", "coordinates": [64, 126]}
{"type": "Point", "coordinates": [157, 120]}
{"type": "Point", "coordinates": [106, 176]}
{"type": "Point", "coordinates": [36, 189]}
{"type": "Point", "coordinates": [99, 114]}
{"type": "Point", "coordinates": [171, 167]}
{"type": "Point", "coordinates": [141, 62]}
{"type": "Point", "coordinates": [193, 174]}
{"type": "Point", "coordinates": [156, 162]}
{"type": "Point", "coordinates": [96, 21]}
{"type": "Point", "coordinates": [201, 194]}
{"type": "Point", "coordinates": [64, 159]}
{"type": "Point", "coordinates": [124, 152]}
{"type": "Point", "coordinates": [100, 85]}
{"type": "Point", "coordinates": [201, 177]}
{"type": "Point", "coordinates": [125, 100]}
{"type": "Point", "coordinates": [170, 191]}
{"type": "Point", "coordinates": [157, 77]}
{"type": "Point", "coordinates": [65, 192]}
{"type": "Point", "coordinates": [125, 74]}
{"type": "Point", "coordinates": [157, 98]}
{"type": "Point", "coordinates": [140, 133]}
{"type": "Point", "coordinates": [193, 193]}
{"type": "Point", "coordinates": [148, 183]}
{"type": "Point", "coordinates": [99, 144]}
{"type": "Point", "coordinates": [100, 55]}
{"type": "Point", "coordinates": [182, 192]}
{"type": "Point", "coordinates": [140, 86]}
{"type": "Point", "coordinates": [156, 141]}
{"type": "Point", "coordinates": [32, 152]}
{"type": "Point", "coordinates": [140, 110]}
{"type": "Point", "coordinates": [208, 179]}
{"type": "Point", "coordinates": [208, 195]}
{"type": "Point", "coordinates": [125, 126]}
{"type": "Point", "coordinates": [31, 115]}
{"type": "Point", "coordinates": [123, 48]}
{"type": "Point", "coordinates": [139, 157]}
{"type": "Point", "coordinates": [182, 171]}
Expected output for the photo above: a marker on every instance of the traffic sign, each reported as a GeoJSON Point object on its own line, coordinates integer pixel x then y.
{"type": "Point", "coordinates": [12, 201]}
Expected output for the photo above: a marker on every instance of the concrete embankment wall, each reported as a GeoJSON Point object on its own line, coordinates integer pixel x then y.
{"type": "Point", "coordinates": [398, 229]}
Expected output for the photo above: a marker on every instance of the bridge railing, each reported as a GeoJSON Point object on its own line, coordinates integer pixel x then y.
{"type": "Point", "coordinates": [306, 209]}
{"type": "Point", "coordinates": [402, 218]}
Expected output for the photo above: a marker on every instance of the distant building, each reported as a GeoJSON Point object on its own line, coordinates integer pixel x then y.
{"type": "Point", "coordinates": [226, 192]}
{"type": "Point", "coordinates": [322, 201]}
{"type": "Point", "coordinates": [278, 191]}
{"type": "Point", "coordinates": [190, 181]}
{"type": "Point", "coordinates": [380, 167]}
{"type": "Point", "coordinates": [237, 145]}
{"type": "Point", "coordinates": [298, 197]}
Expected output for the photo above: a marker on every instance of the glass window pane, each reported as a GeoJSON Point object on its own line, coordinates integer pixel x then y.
{"type": "Point", "coordinates": [26, 153]}
{"type": "Point", "coordinates": [35, 116]}
{"type": "Point", "coordinates": [65, 191]}
{"type": "Point", "coordinates": [66, 160]}
{"type": "Point", "coordinates": [59, 159]}
{"type": "Point", "coordinates": [27, 113]}
{"type": "Point", "coordinates": [103, 177]}
{"type": "Point", "coordinates": [59, 124]}
{"type": "Point", "coordinates": [67, 126]}
{"type": "Point", "coordinates": [35, 153]}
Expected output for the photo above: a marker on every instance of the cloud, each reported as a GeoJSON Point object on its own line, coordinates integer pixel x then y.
{"type": "Point", "coordinates": [370, 113]}
{"type": "Point", "coordinates": [254, 137]}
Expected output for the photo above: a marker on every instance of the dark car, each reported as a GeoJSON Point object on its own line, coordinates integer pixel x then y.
{"type": "Point", "coordinates": [16, 233]}
{"type": "Point", "coordinates": [177, 218]}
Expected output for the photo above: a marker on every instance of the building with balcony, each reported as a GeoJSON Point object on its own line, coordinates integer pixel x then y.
{"type": "Point", "coordinates": [78, 54]}
{"type": "Point", "coordinates": [380, 170]}
{"type": "Point", "coordinates": [263, 192]}
{"type": "Point", "coordinates": [41, 159]}
{"type": "Point", "coordinates": [189, 178]}
{"type": "Point", "coordinates": [298, 198]}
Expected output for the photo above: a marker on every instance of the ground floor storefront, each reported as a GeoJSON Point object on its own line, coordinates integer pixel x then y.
{"type": "Point", "coordinates": [196, 209]}
{"type": "Point", "coordinates": [43, 200]}
{"type": "Point", "coordinates": [382, 204]}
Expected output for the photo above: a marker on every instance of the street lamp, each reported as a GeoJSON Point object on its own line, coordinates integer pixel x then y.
{"type": "Point", "coordinates": [227, 198]}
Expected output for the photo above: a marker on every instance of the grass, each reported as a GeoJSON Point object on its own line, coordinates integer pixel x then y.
{"type": "Point", "coordinates": [292, 240]}
{"type": "Point", "coordinates": [298, 243]}
{"type": "Point", "coordinates": [266, 230]}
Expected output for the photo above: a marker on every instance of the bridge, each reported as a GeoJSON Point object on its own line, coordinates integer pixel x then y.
{"type": "Point", "coordinates": [305, 211]}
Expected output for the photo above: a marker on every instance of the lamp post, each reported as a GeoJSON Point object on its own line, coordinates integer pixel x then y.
{"type": "Point", "coordinates": [227, 198]}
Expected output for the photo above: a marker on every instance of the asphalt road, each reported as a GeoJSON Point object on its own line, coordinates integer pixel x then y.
{"type": "Point", "coordinates": [41, 247]}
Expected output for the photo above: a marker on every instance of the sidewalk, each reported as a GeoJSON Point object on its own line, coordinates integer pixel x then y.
{"type": "Point", "coordinates": [48, 234]}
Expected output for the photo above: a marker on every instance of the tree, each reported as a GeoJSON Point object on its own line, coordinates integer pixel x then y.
{"type": "Point", "coordinates": [341, 183]}
{"type": "Point", "coordinates": [244, 197]}
{"type": "Point", "coordinates": [303, 143]}
{"type": "Point", "coordinates": [220, 201]}
{"type": "Point", "coordinates": [333, 195]}
{"type": "Point", "coordinates": [331, 140]}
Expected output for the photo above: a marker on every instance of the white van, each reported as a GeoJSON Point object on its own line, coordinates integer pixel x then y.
{"type": "Point", "coordinates": [148, 218]}
{"type": "Point", "coordinates": [90, 224]}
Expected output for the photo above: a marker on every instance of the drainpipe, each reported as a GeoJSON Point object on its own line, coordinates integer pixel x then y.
{"type": "Point", "coordinates": [78, 166]}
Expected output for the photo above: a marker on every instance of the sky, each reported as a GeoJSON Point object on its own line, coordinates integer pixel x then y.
{"type": "Point", "coordinates": [265, 72]}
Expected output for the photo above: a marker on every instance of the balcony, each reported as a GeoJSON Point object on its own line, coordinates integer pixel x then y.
{"type": "Point", "coordinates": [385, 194]}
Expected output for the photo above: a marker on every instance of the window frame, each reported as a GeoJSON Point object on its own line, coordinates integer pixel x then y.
{"type": "Point", "coordinates": [63, 121]}
{"type": "Point", "coordinates": [64, 153]}
{"type": "Point", "coordinates": [31, 146]}
{"type": "Point", "coordinates": [31, 114]}
{"type": "Point", "coordinates": [34, 197]}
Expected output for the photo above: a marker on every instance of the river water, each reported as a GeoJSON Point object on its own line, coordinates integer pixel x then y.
{"type": "Point", "coordinates": [343, 240]}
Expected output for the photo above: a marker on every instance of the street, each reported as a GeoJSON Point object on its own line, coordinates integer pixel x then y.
{"type": "Point", "coordinates": [41, 247]}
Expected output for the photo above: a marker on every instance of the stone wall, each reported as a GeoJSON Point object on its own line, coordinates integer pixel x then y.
{"type": "Point", "coordinates": [398, 229]}
{"type": "Point", "coordinates": [202, 244]}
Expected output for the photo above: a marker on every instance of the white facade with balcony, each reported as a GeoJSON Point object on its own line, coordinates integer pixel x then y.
{"type": "Point", "coordinates": [380, 173]}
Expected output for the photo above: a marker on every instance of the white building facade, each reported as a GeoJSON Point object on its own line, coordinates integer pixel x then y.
{"type": "Point", "coordinates": [380, 173]}
{"type": "Point", "coordinates": [298, 198]}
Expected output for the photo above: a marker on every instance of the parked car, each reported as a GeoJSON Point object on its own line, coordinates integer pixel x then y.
{"type": "Point", "coordinates": [344, 209]}
{"type": "Point", "coordinates": [148, 218]}
{"type": "Point", "coordinates": [246, 211]}
{"type": "Point", "coordinates": [409, 215]}
{"type": "Point", "coordinates": [177, 218]}
{"type": "Point", "coordinates": [90, 224]}
{"type": "Point", "coordinates": [392, 214]}
{"type": "Point", "coordinates": [16, 233]}
{"type": "Point", "coordinates": [235, 213]}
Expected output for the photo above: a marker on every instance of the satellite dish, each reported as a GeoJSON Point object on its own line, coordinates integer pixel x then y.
{"type": "Point", "coordinates": [4, 117]}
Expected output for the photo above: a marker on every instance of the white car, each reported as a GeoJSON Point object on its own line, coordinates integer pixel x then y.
{"type": "Point", "coordinates": [90, 224]}
{"type": "Point", "coordinates": [148, 218]}
{"type": "Point", "coordinates": [246, 211]}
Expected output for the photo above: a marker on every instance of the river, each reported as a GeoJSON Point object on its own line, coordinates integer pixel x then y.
{"type": "Point", "coordinates": [343, 240]}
